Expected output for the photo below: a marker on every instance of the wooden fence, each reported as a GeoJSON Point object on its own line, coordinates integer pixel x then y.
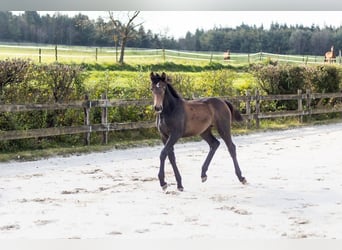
{"type": "Point", "coordinates": [304, 105]}
{"type": "Point", "coordinates": [251, 102]}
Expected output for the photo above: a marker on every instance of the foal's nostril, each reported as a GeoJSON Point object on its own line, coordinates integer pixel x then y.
{"type": "Point", "coordinates": [158, 108]}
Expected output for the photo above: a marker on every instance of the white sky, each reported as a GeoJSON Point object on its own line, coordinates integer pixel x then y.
{"type": "Point", "coordinates": [177, 23]}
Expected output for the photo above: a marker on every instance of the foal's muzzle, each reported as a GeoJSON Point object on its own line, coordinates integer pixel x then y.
{"type": "Point", "coordinates": [158, 109]}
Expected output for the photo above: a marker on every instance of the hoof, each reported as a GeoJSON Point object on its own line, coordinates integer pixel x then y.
{"type": "Point", "coordinates": [181, 189]}
{"type": "Point", "coordinates": [164, 187]}
{"type": "Point", "coordinates": [204, 179]}
{"type": "Point", "coordinates": [244, 181]}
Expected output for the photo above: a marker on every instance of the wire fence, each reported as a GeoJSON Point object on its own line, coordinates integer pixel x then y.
{"type": "Point", "coordinates": [47, 53]}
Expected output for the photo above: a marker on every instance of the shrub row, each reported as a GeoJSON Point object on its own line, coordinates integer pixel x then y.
{"type": "Point", "coordinates": [276, 78]}
{"type": "Point", "coordinates": [21, 81]}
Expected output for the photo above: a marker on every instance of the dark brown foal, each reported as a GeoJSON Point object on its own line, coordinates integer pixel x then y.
{"type": "Point", "coordinates": [177, 118]}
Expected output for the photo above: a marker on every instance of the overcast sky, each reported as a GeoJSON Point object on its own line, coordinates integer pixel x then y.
{"type": "Point", "coordinates": [177, 23]}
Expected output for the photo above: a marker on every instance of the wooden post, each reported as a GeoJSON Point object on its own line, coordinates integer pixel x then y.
{"type": "Point", "coordinates": [248, 108]}
{"type": "Point", "coordinates": [56, 57]}
{"type": "Point", "coordinates": [96, 54]}
{"type": "Point", "coordinates": [211, 57]}
{"type": "Point", "coordinates": [104, 119]}
{"type": "Point", "coordinates": [300, 105]}
{"type": "Point", "coordinates": [163, 50]}
{"type": "Point", "coordinates": [40, 55]}
{"type": "Point", "coordinates": [308, 102]}
{"type": "Point", "coordinates": [87, 119]}
{"type": "Point", "coordinates": [257, 108]}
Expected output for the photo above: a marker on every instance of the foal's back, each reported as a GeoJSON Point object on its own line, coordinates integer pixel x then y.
{"type": "Point", "coordinates": [202, 114]}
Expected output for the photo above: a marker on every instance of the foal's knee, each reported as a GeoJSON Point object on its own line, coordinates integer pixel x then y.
{"type": "Point", "coordinates": [163, 154]}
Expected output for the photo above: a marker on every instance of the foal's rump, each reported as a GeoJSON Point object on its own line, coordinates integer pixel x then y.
{"type": "Point", "coordinates": [219, 107]}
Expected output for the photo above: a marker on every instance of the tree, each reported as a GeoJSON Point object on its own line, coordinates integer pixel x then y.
{"type": "Point", "coordinates": [4, 27]}
{"type": "Point", "coordinates": [299, 41]}
{"type": "Point", "coordinates": [321, 42]}
{"type": "Point", "coordinates": [103, 32]}
{"type": "Point", "coordinates": [84, 29]}
{"type": "Point", "coordinates": [30, 22]}
{"type": "Point", "coordinates": [125, 31]}
{"type": "Point", "coordinates": [143, 39]}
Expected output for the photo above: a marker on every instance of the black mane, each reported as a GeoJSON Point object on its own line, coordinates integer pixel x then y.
{"type": "Point", "coordinates": [173, 92]}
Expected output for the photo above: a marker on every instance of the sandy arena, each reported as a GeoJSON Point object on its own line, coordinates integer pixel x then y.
{"type": "Point", "coordinates": [294, 191]}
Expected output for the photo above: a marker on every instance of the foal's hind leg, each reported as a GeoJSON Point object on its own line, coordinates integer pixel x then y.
{"type": "Point", "coordinates": [224, 132]}
{"type": "Point", "coordinates": [213, 144]}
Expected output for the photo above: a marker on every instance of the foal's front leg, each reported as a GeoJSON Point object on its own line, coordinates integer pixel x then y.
{"type": "Point", "coordinates": [172, 159]}
{"type": "Point", "coordinates": [168, 151]}
{"type": "Point", "coordinates": [161, 174]}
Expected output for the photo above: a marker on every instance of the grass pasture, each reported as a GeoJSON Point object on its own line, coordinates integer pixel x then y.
{"type": "Point", "coordinates": [135, 56]}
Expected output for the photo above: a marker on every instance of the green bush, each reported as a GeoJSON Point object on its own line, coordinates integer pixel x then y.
{"type": "Point", "coordinates": [14, 72]}
{"type": "Point", "coordinates": [217, 83]}
{"type": "Point", "coordinates": [23, 82]}
{"type": "Point", "coordinates": [287, 79]}
{"type": "Point", "coordinates": [204, 84]}
{"type": "Point", "coordinates": [326, 79]}
{"type": "Point", "coordinates": [275, 79]}
{"type": "Point", "coordinates": [184, 84]}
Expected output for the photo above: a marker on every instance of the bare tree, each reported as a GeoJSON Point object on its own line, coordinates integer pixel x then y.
{"type": "Point", "coordinates": [124, 31]}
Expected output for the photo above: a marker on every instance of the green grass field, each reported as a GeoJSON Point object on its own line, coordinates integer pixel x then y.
{"type": "Point", "coordinates": [82, 54]}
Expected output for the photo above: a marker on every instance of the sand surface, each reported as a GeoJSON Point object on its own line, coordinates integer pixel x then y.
{"type": "Point", "coordinates": [294, 191]}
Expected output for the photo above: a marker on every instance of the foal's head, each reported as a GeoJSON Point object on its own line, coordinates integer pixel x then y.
{"type": "Point", "coordinates": [158, 88]}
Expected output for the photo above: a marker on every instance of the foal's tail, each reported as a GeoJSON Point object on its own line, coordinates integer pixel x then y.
{"type": "Point", "coordinates": [236, 116]}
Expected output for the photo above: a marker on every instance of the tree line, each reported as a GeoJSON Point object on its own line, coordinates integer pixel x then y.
{"type": "Point", "coordinates": [81, 30]}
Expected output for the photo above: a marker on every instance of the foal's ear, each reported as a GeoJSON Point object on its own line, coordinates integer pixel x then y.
{"type": "Point", "coordinates": [152, 75]}
{"type": "Point", "coordinates": [163, 77]}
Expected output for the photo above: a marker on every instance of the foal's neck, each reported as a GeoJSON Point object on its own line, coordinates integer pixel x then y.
{"type": "Point", "coordinates": [170, 100]}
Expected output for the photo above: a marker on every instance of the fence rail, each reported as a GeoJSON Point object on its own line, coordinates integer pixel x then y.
{"type": "Point", "coordinates": [50, 53]}
{"type": "Point", "coordinates": [252, 104]}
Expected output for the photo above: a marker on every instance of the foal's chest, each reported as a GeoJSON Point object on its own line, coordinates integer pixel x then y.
{"type": "Point", "coordinates": [162, 125]}
{"type": "Point", "coordinates": [166, 124]}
